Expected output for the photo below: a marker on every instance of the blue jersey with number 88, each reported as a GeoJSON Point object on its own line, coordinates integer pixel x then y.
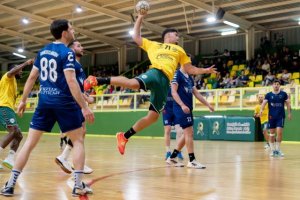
{"type": "Point", "coordinates": [51, 62]}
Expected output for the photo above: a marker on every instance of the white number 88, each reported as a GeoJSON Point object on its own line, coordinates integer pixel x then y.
{"type": "Point", "coordinates": [52, 65]}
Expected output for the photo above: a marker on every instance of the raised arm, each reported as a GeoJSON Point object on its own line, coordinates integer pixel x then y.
{"type": "Point", "coordinates": [190, 69]}
{"type": "Point", "coordinates": [137, 38]}
{"type": "Point", "coordinates": [18, 68]}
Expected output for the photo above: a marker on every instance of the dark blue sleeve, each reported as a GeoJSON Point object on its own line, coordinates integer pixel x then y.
{"type": "Point", "coordinates": [37, 61]}
{"type": "Point", "coordinates": [176, 78]}
{"type": "Point", "coordinates": [267, 97]}
{"type": "Point", "coordinates": [68, 60]}
{"type": "Point", "coordinates": [285, 96]}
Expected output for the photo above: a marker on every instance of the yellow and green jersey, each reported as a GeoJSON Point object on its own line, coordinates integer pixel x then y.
{"type": "Point", "coordinates": [8, 94]}
{"type": "Point", "coordinates": [264, 115]}
{"type": "Point", "coordinates": [165, 57]}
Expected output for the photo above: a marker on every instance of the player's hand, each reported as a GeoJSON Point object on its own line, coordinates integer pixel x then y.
{"type": "Point", "coordinates": [90, 82]}
{"type": "Point", "coordinates": [185, 109]}
{"type": "Point", "coordinates": [211, 70]}
{"type": "Point", "coordinates": [290, 116]}
{"type": "Point", "coordinates": [21, 108]}
{"type": "Point", "coordinates": [88, 98]}
{"type": "Point", "coordinates": [30, 61]}
{"type": "Point", "coordinates": [88, 114]}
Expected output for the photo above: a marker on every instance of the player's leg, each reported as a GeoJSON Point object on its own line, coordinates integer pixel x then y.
{"type": "Point", "coordinates": [158, 83]}
{"type": "Point", "coordinates": [279, 130]}
{"type": "Point", "coordinates": [179, 134]}
{"type": "Point", "coordinates": [21, 160]}
{"type": "Point", "coordinates": [62, 159]}
{"type": "Point", "coordinates": [266, 134]}
{"type": "Point", "coordinates": [117, 81]}
{"type": "Point", "coordinates": [167, 137]}
{"type": "Point", "coordinates": [14, 145]}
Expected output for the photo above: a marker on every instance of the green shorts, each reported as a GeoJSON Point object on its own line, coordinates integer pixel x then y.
{"type": "Point", "coordinates": [264, 126]}
{"type": "Point", "coordinates": [7, 117]}
{"type": "Point", "coordinates": [158, 83]}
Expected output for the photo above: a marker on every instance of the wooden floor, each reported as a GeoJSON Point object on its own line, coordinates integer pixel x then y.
{"type": "Point", "coordinates": [235, 171]}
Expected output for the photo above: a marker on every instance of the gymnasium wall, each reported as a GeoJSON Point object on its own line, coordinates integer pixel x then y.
{"type": "Point", "coordinates": [108, 123]}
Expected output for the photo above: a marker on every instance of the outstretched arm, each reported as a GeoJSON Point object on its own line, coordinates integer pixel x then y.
{"type": "Point", "coordinates": [137, 30]}
{"type": "Point", "coordinates": [190, 69]}
{"type": "Point", "coordinates": [18, 68]}
{"type": "Point", "coordinates": [202, 100]}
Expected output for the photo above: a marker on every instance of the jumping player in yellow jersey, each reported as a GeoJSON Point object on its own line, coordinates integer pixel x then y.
{"type": "Point", "coordinates": [8, 96]}
{"type": "Point", "coordinates": [263, 118]}
{"type": "Point", "coordinates": [165, 58]}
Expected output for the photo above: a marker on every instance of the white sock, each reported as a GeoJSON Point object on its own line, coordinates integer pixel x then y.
{"type": "Point", "coordinates": [168, 149]}
{"type": "Point", "coordinates": [78, 177]}
{"type": "Point", "coordinates": [272, 145]}
{"type": "Point", "coordinates": [66, 152]}
{"type": "Point", "coordinates": [277, 146]}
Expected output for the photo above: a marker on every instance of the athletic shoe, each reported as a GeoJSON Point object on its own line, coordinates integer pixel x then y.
{"type": "Point", "coordinates": [273, 154]}
{"type": "Point", "coordinates": [64, 165]}
{"type": "Point", "coordinates": [7, 191]}
{"type": "Point", "coordinates": [168, 154]}
{"type": "Point", "coordinates": [267, 146]}
{"type": "Point", "coordinates": [8, 162]}
{"type": "Point", "coordinates": [179, 156]}
{"type": "Point", "coordinates": [121, 140]}
{"type": "Point", "coordinates": [280, 153]}
{"type": "Point", "coordinates": [174, 162]}
{"type": "Point", "coordinates": [1, 166]}
{"type": "Point", "coordinates": [83, 190]}
{"type": "Point", "coordinates": [196, 165]}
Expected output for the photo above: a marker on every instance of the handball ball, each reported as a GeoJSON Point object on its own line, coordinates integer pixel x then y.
{"type": "Point", "coordinates": [142, 7]}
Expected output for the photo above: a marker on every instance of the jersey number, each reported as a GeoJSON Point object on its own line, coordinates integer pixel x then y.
{"type": "Point", "coordinates": [48, 69]}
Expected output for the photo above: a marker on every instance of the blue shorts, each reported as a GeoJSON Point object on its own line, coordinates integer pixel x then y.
{"type": "Point", "coordinates": [68, 119]}
{"type": "Point", "coordinates": [183, 119]}
{"type": "Point", "coordinates": [274, 123]}
{"type": "Point", "coordinates": [168, 117]}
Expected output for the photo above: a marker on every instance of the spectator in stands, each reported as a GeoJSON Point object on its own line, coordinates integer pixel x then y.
{"type": "Point", "coordinates": [265, 67]}
{"type": "Point", "coordinates": [227, 82]}
{"type": "Point", "coordinates": [286, 63]}
{"type": "Point", "coordinates": [226, 53]}
{"type": "Point", "coordinates": [242, 80]}
{"type": "Point", "coordinates": [275, 63]}
{"type": "Point", "coordinates": [199, 83]}
{"type": "Point", "coordinates": [285, 77]}
{"type": "Point", "coordinates": [295, 66]}
{"type": "Point", "coordinates": [218, 81]}
{"type": "Point", "coordinates": [224, 70]}
{"type": "Point", "coordinates": [216, 52]}
{"type": "Point", "coordinates": [268, 80]}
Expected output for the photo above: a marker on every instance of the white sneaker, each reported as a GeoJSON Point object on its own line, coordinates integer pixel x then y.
{"type": "Point", "coordinates": [1, 166]}
{"type": "Point", "coordinates": [280, 153]}
{"type": "Point", "coordinates": [64, 165]}
{"type": "Point", "coordinates": [8, 162]}
{"type": "Point", "coordinates": [267, 146]}
{"type": "Point", "coordinates": [273, 154]}
{"type": "Point", "coordinates": [87, 170]}
{"type": "Point", "coordinates": [196, 165]}
{"type": "Point", "coordinates": [174, 162]}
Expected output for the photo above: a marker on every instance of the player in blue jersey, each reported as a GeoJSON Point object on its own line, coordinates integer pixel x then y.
{"type": "Point", "coordinates": [169, 121]}
{"type": "Point", "coordinates": [276, 100]}
{"type": "Point", "coordinates": [62, 159]}
{"type": "Point", "coordinates": [183, 90]}
{"type": "Point", "coordinates": [60, 100]}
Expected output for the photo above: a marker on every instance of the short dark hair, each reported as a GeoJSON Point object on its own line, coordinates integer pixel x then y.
{"type": "Point", "coordinates": [168, 30]}
{"type": "Point", "coordinates": [277, 81]}
{"type": "Point", "coordinates": [58, 26]}
{"type": "Point", "coordinates": [72, 42]}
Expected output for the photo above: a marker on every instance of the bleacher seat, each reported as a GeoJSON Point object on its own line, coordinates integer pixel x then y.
{"type": "Point", "coordinates": [235, 68]}
{"type": "Point", "coordinates": [295, 75]}
{"type": "Point", "coordinates": [241, 67]}
{"type": "Point", "coordinates": [209, 86]}
{"type": "Point", "coordinates": [213, 76]}
{"type": "Point", "coordinates": [252, 78]}
{"type": "Point", "coordinates": [258, 78]}
{"type": "Point", "coordinates": [231, 99]}
{"type": "Point", "coordinates": [278, 75]}
{"type": "Point", "coordinates": [229, 63]}
{"type": "Point", "coordinates": [297, 81]}
{"type": "Point", "coordinates": [251, 84]}
{"type": "Point", "coordinates": [232, 73]}
{"type": "Point", "coordinates": [223, 99]}
{"type": "Point", "coordinates": [252, 98]}
{"type": "Point", "coordinates": [210, 99]}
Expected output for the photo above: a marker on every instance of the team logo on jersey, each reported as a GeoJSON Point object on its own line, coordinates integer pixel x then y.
{"type": "Point", "coordinates": [12, 120]}
{"type": "Point", "coordinates": [144, 76]}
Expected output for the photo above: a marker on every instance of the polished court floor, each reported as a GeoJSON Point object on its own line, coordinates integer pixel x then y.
{"type": "Point", "coordinates": [235, 171]}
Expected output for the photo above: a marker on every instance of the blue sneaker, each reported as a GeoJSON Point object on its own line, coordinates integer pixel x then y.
{"type": "Point", "coordinates": [273, 153]}
{"type": "Point", "coordinates": [180, 156]}
{"type": "Point", "coordinates": [168, 154]}
{"type": "Point", "coordinates": [280, 153]}
{"type": "Point", "coordinates": [7, 191]}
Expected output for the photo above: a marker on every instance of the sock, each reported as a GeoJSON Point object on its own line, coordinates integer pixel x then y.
{"type": "Point", "coordinates": [129, 133]}
{"type": "Point", "coordinates": [78, 177]}
{"type": "Point", "coordinates": [168, 149]}
{"type": "Point", "coordinates": [11, 154]}
{"type": "Point", "coordinates": [66, 152]}
{"type": "Point", "coordinates": [13, 178]}
{"type": "Point", "coordinates": [277, 146]}
{"type": "Point", "coordinates": [102, 81]}
{"type": "Point", "coordinates": [174, 154]}
{"type": "Point", "coordinates": [272, 145]}
{"type": "Point", "coordinates": [192, 156]}
{"type": "Point", "coordinates": [70, 143]}
{"type": "Point", "coordinates": [65, 139]}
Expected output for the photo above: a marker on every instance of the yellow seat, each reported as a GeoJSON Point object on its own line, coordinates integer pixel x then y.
{"type": "Point", "coordinates": [241, 67]}
{"type": "Point", "coordinates": [229, 63]}
{"type": "Point", "coordinates": [205, 80]}
{"type": "Point", "coordinates": [235, 68]}
{"type": "Point", "coordinates": [295, 75]}
{"type": "Point", "coordinates": [297, 81]}
{"type": "Point", "coordinates": [231, 99]}
{"type": "Point", "coordinates": [247, 72]}
{"type": "Point", "coordinates": [213, 75]}
{"type": "Point", "coordinates": [278, 75]}
{"type": "Point", "coordinates": [252, 78]}
{"type": "Point", "coordinates": [251, 84]}
{"type": "Point", "coordinates": [223, 99]}
{"type": "Point", "coordinates": [209, 86]}
{"type": "Point", "coordinates": [232, 73]}
{"type": "Point", "coordinates": [258, 78]}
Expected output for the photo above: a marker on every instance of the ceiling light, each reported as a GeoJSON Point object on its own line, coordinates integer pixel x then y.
{"type": "Point", "coordinates": [78, 9]}
{"type": "Point", "coordinates": [131, 32]}
{"type": "Point", "coordinates": [19, 55]}
{"type": "Point", "coordinates": [231, 24]}
{"type": "Point", "coordinates": [299, 22]}
{"type": "Point", "coordinates": [229, 32]}
{"type": "Point", "coordinates": [25, 21]}
{"type": "Point", "coordinates": [211, 19]}
{"type": "Point", "coordinates": [20, 50]}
